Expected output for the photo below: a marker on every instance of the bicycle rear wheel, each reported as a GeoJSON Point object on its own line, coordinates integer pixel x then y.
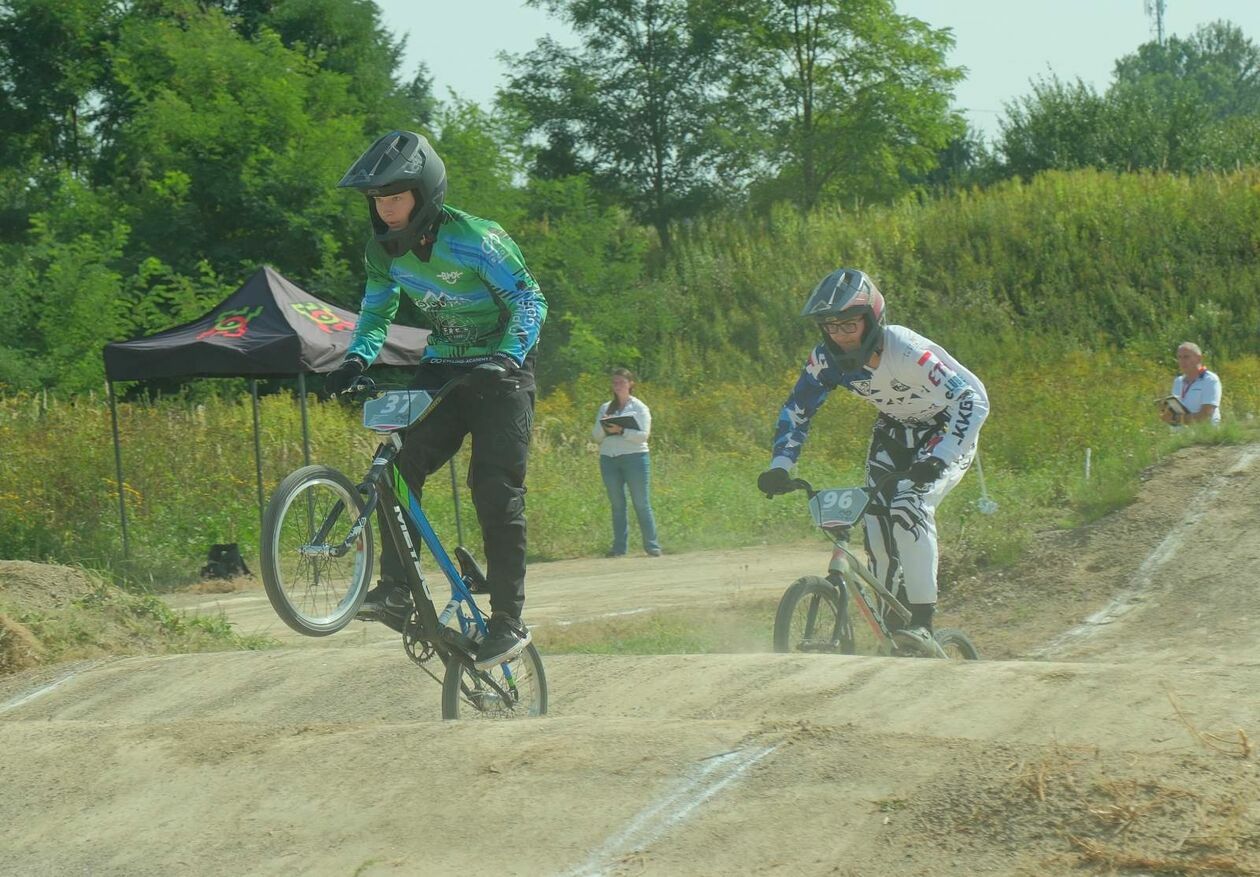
{"type": "Point", "coordinates": [519, 688]}
{"type": "Point", "coordinates": [813, 616]}
{"type": "Point", "coordinates": [956, 645]}
{"type": "Point", "coordinates": [314, 592]}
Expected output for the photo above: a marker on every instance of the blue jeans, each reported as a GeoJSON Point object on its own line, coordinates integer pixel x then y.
{"type": "Point", "coordinates": [633, 471]}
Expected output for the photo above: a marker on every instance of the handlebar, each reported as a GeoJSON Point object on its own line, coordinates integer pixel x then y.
{"type": "Point", "coordinates": [895, 475]}
{"type": "Point", "coordinates": [363, 388]}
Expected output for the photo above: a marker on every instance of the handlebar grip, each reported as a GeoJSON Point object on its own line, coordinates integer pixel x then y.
{"type": "Point", "coordinates": [360, 388]}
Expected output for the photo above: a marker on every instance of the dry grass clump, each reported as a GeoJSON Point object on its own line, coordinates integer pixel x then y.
{"type": "Point", "coordinates": [19, 649]}
{"type": "Point", "coordinates": [225, 586]}
{"type": "Point", "coordinates": [1099, 853]}
{"type": "Point", "coordinates": [1060, 809]}
{"type": "Point", "coordinates": [1239, 746]}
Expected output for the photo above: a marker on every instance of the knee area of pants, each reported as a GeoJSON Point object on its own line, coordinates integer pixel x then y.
{"type": "Point", "coordinates": [499, 503]}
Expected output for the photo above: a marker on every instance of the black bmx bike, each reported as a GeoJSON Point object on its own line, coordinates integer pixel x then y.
{"type": "Point", "coordinates": [317, 558]}
{"type": "Point", "coordinates": [814, 615]}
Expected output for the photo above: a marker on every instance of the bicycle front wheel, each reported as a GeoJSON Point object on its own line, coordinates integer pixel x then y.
{"type": "Point", "coordinates": [515, 689]}
{"type": "Point", "coordinates": [956, 645]}
{"type": "Point", "coordinates": [312, 511]}
{"type": "Point", "coordinates": [813, 616]}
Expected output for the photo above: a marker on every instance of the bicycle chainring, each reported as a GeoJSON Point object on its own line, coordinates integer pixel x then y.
{"type": "Point", "coordinates": [418, 650]}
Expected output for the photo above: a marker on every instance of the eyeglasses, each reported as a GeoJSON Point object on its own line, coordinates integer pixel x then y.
{"type": "Point", "coordinates": [842, 327]}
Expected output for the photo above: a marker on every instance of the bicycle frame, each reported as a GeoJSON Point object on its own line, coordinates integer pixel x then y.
{"type": "Point", "coordinates": [844, 568]}
{"type": "Point", "coordinates": [333, 541]}
{"type": "Point", "coordinates": [383, 486]}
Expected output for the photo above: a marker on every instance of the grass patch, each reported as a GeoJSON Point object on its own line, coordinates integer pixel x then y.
{"type": "Point", "coordinates": [743, 627]}
{"type": "Point", "coordinates": [108, 621]}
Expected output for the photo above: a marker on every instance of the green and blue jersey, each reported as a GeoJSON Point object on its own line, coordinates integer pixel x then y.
{"type": "Point", "coordinates": [474, 293]}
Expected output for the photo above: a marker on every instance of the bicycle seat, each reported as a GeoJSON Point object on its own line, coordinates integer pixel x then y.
{"type": "Point", "coordinates": [471, 571]}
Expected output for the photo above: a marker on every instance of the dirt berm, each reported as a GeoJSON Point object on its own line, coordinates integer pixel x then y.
{"type": "Point", "coordinates": [1113, 734]}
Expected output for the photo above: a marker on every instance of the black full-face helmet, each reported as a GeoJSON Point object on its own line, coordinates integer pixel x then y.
{"type": "Point", "coordinates": [398, 162]}
{"type": "Point", "coordinates": [844, 294]}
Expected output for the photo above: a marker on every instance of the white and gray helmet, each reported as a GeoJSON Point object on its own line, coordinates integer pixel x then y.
{"type": "Point", "coordinates": [847, 293]}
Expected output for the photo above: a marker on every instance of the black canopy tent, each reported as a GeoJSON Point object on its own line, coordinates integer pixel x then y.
{"type": "Point", "coordinates": [268, 328]}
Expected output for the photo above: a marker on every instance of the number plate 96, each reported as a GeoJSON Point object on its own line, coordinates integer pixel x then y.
{"type": "Point", "coordinates": [838, 506]}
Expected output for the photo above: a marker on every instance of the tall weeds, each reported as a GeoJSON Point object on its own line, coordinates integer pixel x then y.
{"type": "Point", "coordinates": [189, 467]}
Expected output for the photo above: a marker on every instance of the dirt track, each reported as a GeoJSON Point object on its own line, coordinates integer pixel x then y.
{"type": "Point", "coordinates": [1120, 755]}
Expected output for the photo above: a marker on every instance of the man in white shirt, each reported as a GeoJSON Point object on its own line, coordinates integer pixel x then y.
{"type": "Point", "coordinates": [1198, 389]}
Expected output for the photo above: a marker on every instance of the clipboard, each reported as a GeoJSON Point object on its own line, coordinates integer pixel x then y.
{"type": "Point", "coordinates": [625, 421]}
{"type": "Point", "coordinates": [1173, 404]}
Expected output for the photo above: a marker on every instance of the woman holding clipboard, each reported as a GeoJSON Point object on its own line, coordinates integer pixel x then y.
{"type": "Point", "coordinates": [622, 427]}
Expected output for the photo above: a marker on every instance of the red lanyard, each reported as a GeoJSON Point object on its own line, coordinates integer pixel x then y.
{"type": "Point", "coordinates": [1185, 388]}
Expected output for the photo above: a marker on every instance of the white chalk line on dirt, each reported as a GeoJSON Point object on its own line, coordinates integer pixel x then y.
{"type": "Point", "coordinates": [598, 617]}
{"type": "Point", "coordinates": [223, 601]}
{"type": "Point", "coordinates": [1134, 594]}
{"type": "Point", "coordinates": [657, 818]}
{"type": "Point", "coordinates": [26, 698]}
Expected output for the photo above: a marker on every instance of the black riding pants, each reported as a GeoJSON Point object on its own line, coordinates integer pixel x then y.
{"type": "Point", "coordinates": [500, 421]}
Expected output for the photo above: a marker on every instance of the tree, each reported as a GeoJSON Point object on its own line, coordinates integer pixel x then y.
{"type": "Point", "coordinates": [1188, 104]}
{"type": "Point", "coordinates": [152, 152]}
{"type": "Point", "coordinates": [834, 98]}
{"type": "Point", "coordinates": [636, 101]}
{"type": "Point", "coordinates": [1167, 99]}
{"type": "Point", "coordinates": [1058, 126]}
{"type": "Point", "coordinates": [52, 57]}
{"type": "Point", "coordinates": [227, 149]}
{"type": "Point", "coordinates": [63, 300]}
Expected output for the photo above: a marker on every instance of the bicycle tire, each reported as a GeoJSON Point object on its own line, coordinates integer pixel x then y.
{"type": "Point", "coordinates": [465, 694]}
{"type": "Point", "coordinates": [315, 596]}
{"type": "Point", "coordinates": [956, 644]}
{"type": "Point", "coordinates": [816, 594]}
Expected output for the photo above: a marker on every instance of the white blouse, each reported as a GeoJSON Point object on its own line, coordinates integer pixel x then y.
{"type": "Point", "coordinates": [630, 441]}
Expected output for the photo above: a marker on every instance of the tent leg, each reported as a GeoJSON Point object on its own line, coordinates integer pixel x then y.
{"type": "Point", "coordinates": [306, 457]}
{"type": "Point", "coordinates": [253, 392]}
{"type": "Point", "coordinates": [122, 501]}
{"type": "Point", "coordinates": [306, 428]}
{"type": "Point", "coordinates": [459, 526]}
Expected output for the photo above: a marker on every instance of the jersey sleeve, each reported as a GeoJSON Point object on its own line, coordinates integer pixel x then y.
{"type": "Point", "coordinates": [802, 404]}
{"type": "Point", "coordinates": [504, 273]}
{"type": "Point", "coordinates": [943, 380]}
{"type": "Point", "coordinates": [376, 312]}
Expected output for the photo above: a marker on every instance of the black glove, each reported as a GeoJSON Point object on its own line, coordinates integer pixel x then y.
{"type": "Point", "coordinates": [343, 377]}
{"type": "Point", "coordinates": [496, 375]}
{"type": "Point", "coordinates": [774, 481]}
{"type": "Point", "coordinates": [924, 472]}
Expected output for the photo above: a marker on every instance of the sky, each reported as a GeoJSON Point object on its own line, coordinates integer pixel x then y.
{"type": "Point", "coordinates": [1003, 44]}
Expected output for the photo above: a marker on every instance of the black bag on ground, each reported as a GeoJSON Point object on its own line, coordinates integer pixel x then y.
{"type": "Point", "coordinates": [224, 562]}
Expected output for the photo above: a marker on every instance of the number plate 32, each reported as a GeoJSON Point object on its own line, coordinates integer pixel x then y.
{"type": "Point", "coordinates": [395, 409]}
{"type": "Point", "coordinates": [842, 506]}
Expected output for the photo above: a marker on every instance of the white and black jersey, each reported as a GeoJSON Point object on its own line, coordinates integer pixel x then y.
{"type": "Point", "coordinates": [929, 405]}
